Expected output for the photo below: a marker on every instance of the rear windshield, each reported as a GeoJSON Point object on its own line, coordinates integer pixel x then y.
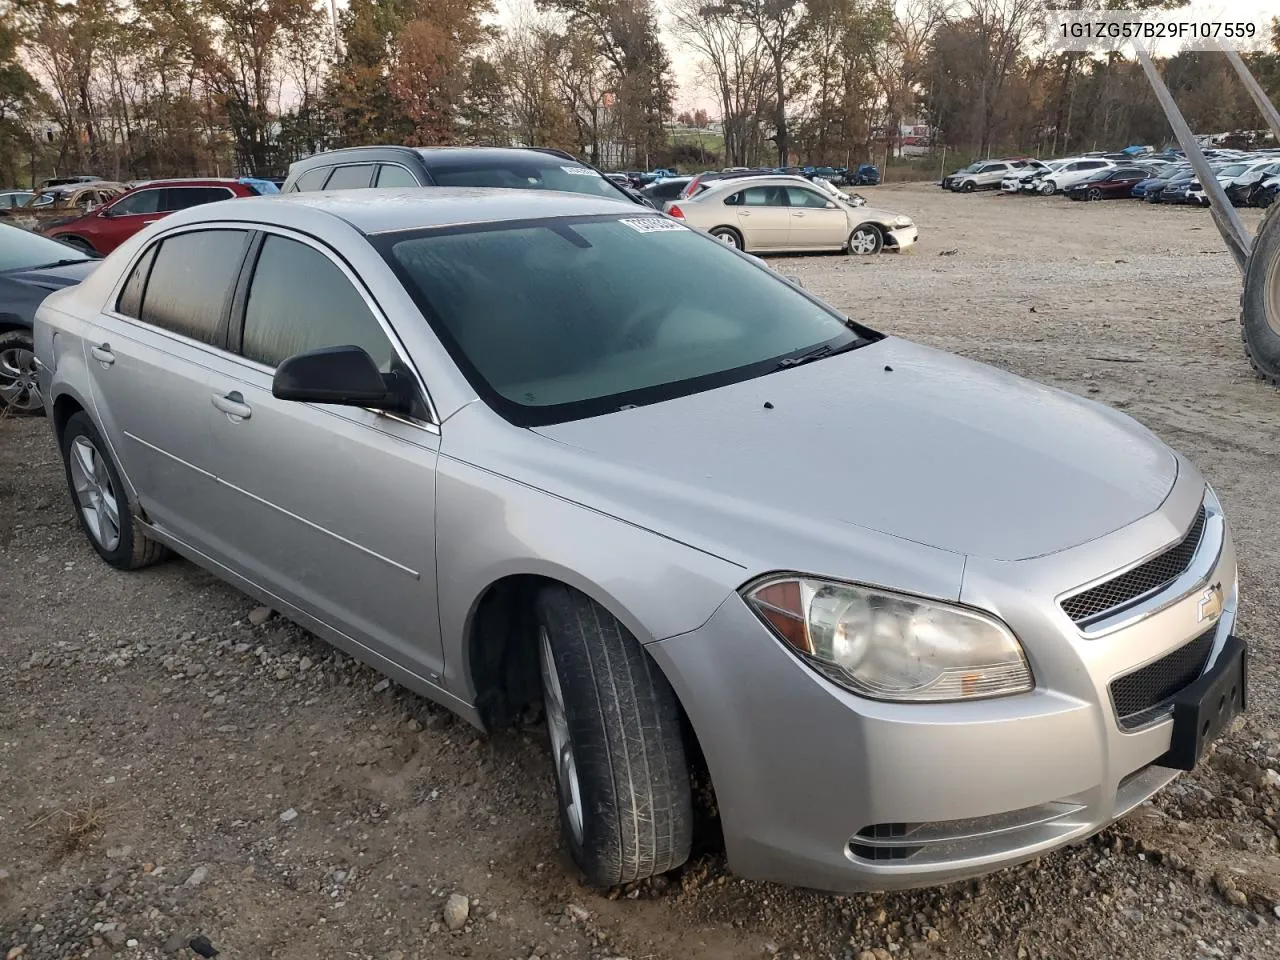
{"type": "Point", "coordinates": [556, 320]}
{"type": "Point", "coordinates": [535, 172]}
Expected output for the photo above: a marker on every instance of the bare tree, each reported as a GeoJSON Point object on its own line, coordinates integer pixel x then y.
{"type": "Point", "coordinates": [734, 62]}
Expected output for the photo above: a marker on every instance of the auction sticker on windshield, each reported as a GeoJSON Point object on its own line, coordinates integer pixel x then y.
{"type": "Point", "coordinates": [580, 171]}
{"type": "Point", "coordinates": [652, 224]}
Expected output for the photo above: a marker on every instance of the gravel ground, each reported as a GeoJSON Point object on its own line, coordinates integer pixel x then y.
{"type": "Point", "coordinates": [173, 765]}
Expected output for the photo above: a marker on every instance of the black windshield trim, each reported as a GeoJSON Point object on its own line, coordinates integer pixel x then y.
{"type": "Point", "coordinates": [522, 415]}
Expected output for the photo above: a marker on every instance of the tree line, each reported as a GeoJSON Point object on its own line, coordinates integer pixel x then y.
{"type": "Point", "coordinates": [131, 89]}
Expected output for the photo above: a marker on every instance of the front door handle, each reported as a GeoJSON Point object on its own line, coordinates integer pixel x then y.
{"type": "Point", "coordinates": [233, 405]}
{"type": "Point", "coordinates": [744, 213]}
{"type": "Point", "coordinates": [796, 213]}
{"type": "Point", "coordinates": [103, 354]}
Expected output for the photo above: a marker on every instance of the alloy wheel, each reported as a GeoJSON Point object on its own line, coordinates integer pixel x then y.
{"type": "Point", "coordinates": [728, 239]}
{"type": "Point", "coordinates": [19, 386]}
{"type": "Point", "coordinates": [94, 493]}
{"type": "Point", "coordinates": [561, 746]}
{"type": "Point", "coordinates": [862, 242]}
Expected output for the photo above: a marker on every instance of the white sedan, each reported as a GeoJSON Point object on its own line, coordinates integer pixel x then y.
{"type": "Point", "coordinates": [786, 214]}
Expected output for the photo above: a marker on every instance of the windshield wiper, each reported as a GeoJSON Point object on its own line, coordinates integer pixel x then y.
{"type": "Point", "coordinates": [62, 263]}
{"type": "Point", "coordinates": [818, 353]}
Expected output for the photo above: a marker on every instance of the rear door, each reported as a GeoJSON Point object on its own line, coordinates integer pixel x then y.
{"type": "Point", "coordinates": [350, 176]}
{"type": "Point", "coordinates": [394, 175]}
{"type": "Point", "coordinates": [328, 507]}
{"type": "Point", "coordinates": [182, 198]}
{"type": "Point", "coordinates": [816, 222]}
{"type": "Point", "coordinates": [763, 217]}
{"type": "Point", "coordinates": [149, 354]}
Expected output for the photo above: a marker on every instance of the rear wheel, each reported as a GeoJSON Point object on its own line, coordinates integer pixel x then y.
{"type": "Point", "coordinates": [19, 386]}
{"type": "Point", "coordinates": [1260, 301]}
{"type": "Point", "coordinates": [865, 239]}
{"type": "Point", "coordinates": [617, 749]}
{"type": "Point", "coordinates": [101, 503]}
{"type": "Point", "coordinates": [729, 237]}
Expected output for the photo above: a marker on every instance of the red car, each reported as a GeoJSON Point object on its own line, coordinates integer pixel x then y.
{"type": "Point", "coordinates": [104, 228]}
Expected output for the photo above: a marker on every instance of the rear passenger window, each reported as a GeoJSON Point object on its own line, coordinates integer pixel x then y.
{"type": "Point", "coordinates": [311, 180]}
{"type": "Point", "coordinates": [350, 178]}
{"type": "Point", "coordinates": [191, 282]}
{"type": "Point", "coordinates": [389, 175]}
{"type": "Point", "coordinates": [284, 317]}
{"type": "Point", "coordinates": [180, 198]}
{"type": "Point", "coordinates": [130, 302]}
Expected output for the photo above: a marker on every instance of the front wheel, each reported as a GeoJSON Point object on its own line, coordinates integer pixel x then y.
{"type": "Point", "coordinates": [1094, 194]}
{"type": "Point", "coordinates": [1048, 188]}
{"type": "Point", "coordinates": [968, 187]}
{"type": "Point", "coordinates": [19, 384]}
{"type": "Point", "coordinates": [865, 240]}
{"type": "Point", "coordinates": [729, 237]}
{"type": "Point", "coordinates": [101, 503]}
{"type": "Point", "coordinates": [617, 751]}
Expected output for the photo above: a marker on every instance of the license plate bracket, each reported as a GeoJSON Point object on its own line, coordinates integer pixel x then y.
{"type": "Point", "coordinates": [1203, 709]}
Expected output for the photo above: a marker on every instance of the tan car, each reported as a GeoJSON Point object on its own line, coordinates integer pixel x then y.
{"type": "Point", "coordinates": [66, 202]}
{"type": "Point", "coordinates": [784, 213]}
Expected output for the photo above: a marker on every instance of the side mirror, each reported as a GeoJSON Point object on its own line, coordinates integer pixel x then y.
{"type": "Point", "coordinates": [346, 376]}
{"type": "Point", "coordinates": [831, 205]}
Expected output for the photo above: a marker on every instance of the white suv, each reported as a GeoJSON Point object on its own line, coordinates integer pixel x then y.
{"type": "Point", "coordinates": [1072, 172]}
{"type": "Point", "coordinates": [981, 176]}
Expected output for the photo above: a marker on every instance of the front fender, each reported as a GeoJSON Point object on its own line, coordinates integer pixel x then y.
{"type": "Point", "coordinates": [490, 527]}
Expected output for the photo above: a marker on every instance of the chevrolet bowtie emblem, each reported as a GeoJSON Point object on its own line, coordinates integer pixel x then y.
{"type": "Point", "coordinates": [1210, 605]}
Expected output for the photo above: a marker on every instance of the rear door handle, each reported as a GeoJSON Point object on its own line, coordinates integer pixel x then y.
{"type": "Point", "coordinates": [233, 405]}
{"type": "Point", "coordinates": [103, 354]}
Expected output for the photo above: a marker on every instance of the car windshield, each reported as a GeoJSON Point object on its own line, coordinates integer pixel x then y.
{"type": "Point", "coordinates": [534, 172]}
{"type": "Point", "coordinates": [1233, 170]}
{"type": "Point", "coordinates": [21, 250]}
{"type": "Point", "coordinates": [555, 320]}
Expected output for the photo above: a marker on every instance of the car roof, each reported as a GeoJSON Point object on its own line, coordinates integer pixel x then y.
{"type": "Point", "coordinates": [188, 182]}
{"type": "Point", "coordinates": [428, 154]}
{"type": "Point", "coordinates": [374, 210]}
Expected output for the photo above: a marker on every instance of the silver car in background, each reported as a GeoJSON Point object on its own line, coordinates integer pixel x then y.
{"type": "Point", "coordinates": [921, 618]}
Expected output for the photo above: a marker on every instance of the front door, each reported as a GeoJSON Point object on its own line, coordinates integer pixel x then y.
{"type": "Point", "coordinates": [330, 508]}
{"type": "Point", "coordinates": [114, 224]}
{"type": "Point", "coordinates": [763, 217]}
{"type": "Point", "coordinates": [817, 223]}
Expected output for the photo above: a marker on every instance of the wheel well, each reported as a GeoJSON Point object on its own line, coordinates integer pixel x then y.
{"type": "Point", "coordinates": [63, 409]}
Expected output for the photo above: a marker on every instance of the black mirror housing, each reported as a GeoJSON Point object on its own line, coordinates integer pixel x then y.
{"type": "Point", "coordinates": [346, 376]}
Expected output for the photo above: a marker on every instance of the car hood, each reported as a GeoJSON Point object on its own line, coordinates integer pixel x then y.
{"type": "Point", "coordinates": [894, 438]}
{"type": "Point", "coordinates": [867, 212]}
{"type": "Point", "coordinates": [53, 278]}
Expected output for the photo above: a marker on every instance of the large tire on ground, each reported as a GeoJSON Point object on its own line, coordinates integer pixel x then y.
{"type": "Point", "coordinates": [100, 500]}
{"type": "Point", "coordinates": [968, 186]}
{"type": "Point", "coordinates": [19, 388]}
{"type": "Point", "coordinates": [1047, 188]}
{"type": "Point", "coordinates": [1260, 301]}
{"type": "Point", "coordinates": [622, 780]}
{"type": "Point", "coordinates": [1094, 194]}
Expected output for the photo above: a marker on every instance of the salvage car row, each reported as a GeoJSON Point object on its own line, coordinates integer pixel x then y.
{"type": "Point", "coordinates": [522, 472]}
{"type": "Point", "coordinates": [1249, 179]}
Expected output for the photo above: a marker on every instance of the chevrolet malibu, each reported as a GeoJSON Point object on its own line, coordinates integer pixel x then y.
{"type": "Point", "coordinates": [921, 618]}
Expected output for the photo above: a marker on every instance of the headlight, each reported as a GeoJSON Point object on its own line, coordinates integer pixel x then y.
{"type": "Point", "coordinates": [902, 221]}
{"type": "Point", "coordinates": [888, 646]}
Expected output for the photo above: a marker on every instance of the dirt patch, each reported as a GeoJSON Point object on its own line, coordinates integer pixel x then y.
{"type": "Point", "coordinates": [169, 769]}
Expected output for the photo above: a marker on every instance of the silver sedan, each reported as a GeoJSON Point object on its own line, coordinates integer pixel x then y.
{"type": "Point", "coordinates": [921, 618]}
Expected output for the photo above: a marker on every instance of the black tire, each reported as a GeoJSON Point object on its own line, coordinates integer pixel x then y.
{"type": "Point", "coordinates": [968, 187]}
{"type": "Point", "coordinates": [730, 237]}
{"type": "Point", "coordinates": [626, 749]}
{"type": "Point", "coordinates": [866, 239]}
{"type": "Point", "coordinates": [1260, 301]}
{"type": "Point", "coordinates": [133, 549]}
{"type": "Point", "coordinates": [19, 392]}
{"type": "Point", "coordinates": [1093, 194]}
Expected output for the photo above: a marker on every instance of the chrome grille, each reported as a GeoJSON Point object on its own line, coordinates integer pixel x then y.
{"type": "Point", "coordinates": [1140, 582]}
{"type": "Point", "coordinates": [1141, 696]}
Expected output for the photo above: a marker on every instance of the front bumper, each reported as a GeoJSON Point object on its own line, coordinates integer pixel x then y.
{"type": "Point", "coordinates": [903, 238]}
{"type": "Point", "coordinates": [817, 787]}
